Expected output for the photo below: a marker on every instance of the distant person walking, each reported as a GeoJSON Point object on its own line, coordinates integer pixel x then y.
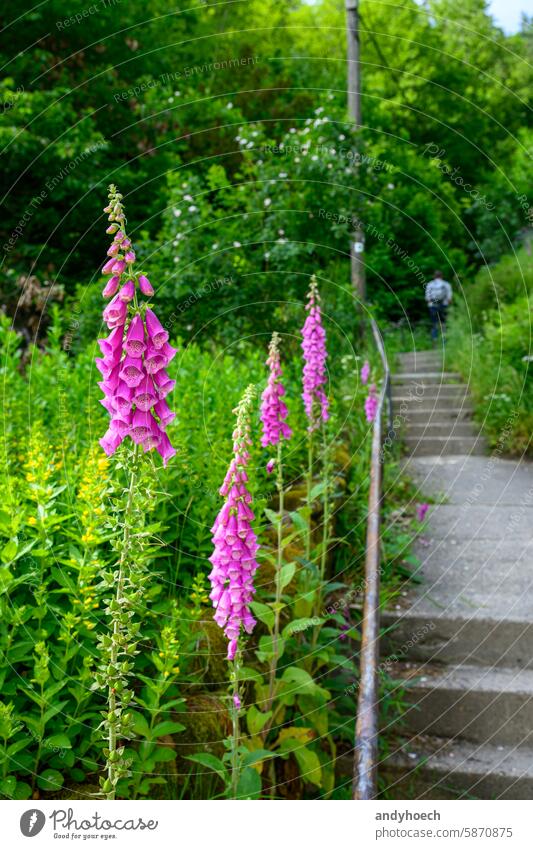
{"type": "Point", "coordinates": [438, 298]}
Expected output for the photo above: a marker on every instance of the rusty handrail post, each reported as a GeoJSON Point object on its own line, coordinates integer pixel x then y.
{"type": "Point", "coordinates": [366, 728]}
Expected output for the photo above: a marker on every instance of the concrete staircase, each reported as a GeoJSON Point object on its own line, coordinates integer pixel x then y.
{"type": "Point", "coordinates": [434, 407]}
{"type": "Point", "coordinates": [460, 643]}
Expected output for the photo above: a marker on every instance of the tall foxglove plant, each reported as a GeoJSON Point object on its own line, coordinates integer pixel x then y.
{"type": "Point", "coordinates": [275, 430]}
{"type": "Point", "coordinates": [314, 381]}
{"type": "Point", "coordinates": [135, 384]}
{"type": "Point", "coordinates": [234, 558]}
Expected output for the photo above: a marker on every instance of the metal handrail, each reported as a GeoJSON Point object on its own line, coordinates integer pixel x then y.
{"type": "Point", "coordinates": [366, 727]}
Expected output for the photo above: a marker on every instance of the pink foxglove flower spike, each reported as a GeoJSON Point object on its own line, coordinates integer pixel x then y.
{"type": "Point", "coordinates": [371, 403]}
{"type": "Point", "coordinates": [233, 559]}
{"type": "Point", "coordinates": [273, 408]}
{"type": "Point", "coordinates": [134, 353]}
{"type": "Point", "coordinates": [314, 373]}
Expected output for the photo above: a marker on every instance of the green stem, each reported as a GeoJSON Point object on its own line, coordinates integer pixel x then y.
{"type": "Point", "coordinates": [326, 516]}
{"type": "Point", "coordinates": [279, 564]}
{"type": "Point", "coordinates": [309, 488]}
{"type": "Point", "coordinates": [325, 536]}
{"type": "Point", "coordinates": [4, 765]}
{"type": "Point", "coordinates": [236, 731]}
{"type": "Point", "coordinates": [39, 742]}
{"type": "Point", "coordinates": [112, 699]}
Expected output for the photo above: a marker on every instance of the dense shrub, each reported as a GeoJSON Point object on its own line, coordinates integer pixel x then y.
{"type": "Point", "coordinates": [490, 343]}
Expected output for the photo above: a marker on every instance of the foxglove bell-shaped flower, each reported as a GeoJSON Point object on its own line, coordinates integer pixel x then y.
{"type": "Point", "coordinates": [157, 333]}
{"type": "Point", "coordinates": [118, 266]}
{"type": "Point", "coordinates": [145, 286]}
{"type": "Point", "coordinates": [314, 372]}
{"type": "Point", "coordinates": [145, 396]}
{"type": "Point", "coordinates": [115, 313]}
{"type": "Point", "coordinates": [113, 342]}
{"type": "Point", "coordinates": [107, 268]}
{"type": "Point", "coordinates": [131, 371]}
{"type": "Point", "coordinates": [165, 414]}
{"type": "Point", "coordinates": [234, 558]}
{"type": "Point", "coordinates": [154, 438]}
{"type": "Point", "coordinates": [135, 353]}
{"type": "Point", "coordinates": [163, 384]}
{"type": "Point", "coordinates": [127, 292]}
{"type": "Point", "coordinates": [164, 447]}
{"type": "Point", "coordinates": [111, 288]}
{"type": "Point", "coordinates": [110, 441]}
{"type": "Point", "coordinates": [154, 360]}
{"type": "Point", "coordinates": [141, 426]}
{"type": "Point", "coordinates": [122, 399]}
{"type": "Point", "coordinates": [135, 346]}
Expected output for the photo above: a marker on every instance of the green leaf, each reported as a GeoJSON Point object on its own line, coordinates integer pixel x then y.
{"type": "Point", "coordinates": [249, 786]}
{"type": "Point", "coordinates": [303, 682]}
{"type": "Point", "coordinates": [6, 579]}
{"type": "Point", "coordinates": [309, 764]}
{"type": "Point", "coordinates": [248, 674]}
{"type": "Point", "coordinates": [58, 741]}
{"type": "Point", "coordinates": [264, 613]}
{"type": "Point", "coordinates": [298, 625]}
{"type": "Point", "coordinates": [256, 756]}
{"type": "Point", "coordinates": [286, 574]}
{"type": "Point", "coordinates": [318, 489]}
{"type": "Point", "coordinates": [55, 709]}
{"type": "Point", "coordinates": [272, 516]}
{"type": "Point", "coordinates": [62, 578]}
{"type": "Point", "coordinates": [50, 779]}
{"type": "Point", "coordinates": [22, 791]}
{"type": "Point", "coordinates": [256, 719]}
{"type": "Point", "coordinates": [164, 754]}
{"type": "Point", "coordinates": [266, 649]}
{"type": "Point", "coordinates": [166, 727]}
{"type": "Point", "coordinates": [18, 746]}
{"type": "Point", "coordinates": [8, 785]}
{"type": "Point", "coordinates": [9, 551]}
{"type": "Point", "coordinates": [299, 521]}
{"type": "Point", "coordinates": [140, 725]}
{"type": "Point", "coordinates": [209, 761]}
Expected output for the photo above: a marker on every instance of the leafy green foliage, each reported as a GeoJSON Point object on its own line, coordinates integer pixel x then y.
{"type": "Point", "coordinates": [61, 534]}
{"type": "Point", "coordinates": [496, 358]}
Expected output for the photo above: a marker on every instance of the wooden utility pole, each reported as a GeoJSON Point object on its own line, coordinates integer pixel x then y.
{"type": "Point", "coordinates": [357, 241]}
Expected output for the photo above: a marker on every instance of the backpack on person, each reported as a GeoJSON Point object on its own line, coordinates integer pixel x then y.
{"type": "Point", "coordinates": [437, 293]}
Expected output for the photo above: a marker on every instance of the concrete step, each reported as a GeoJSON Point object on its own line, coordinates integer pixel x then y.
{"type": "Point", "coordinates": [447, 428]}
{"type": "Point", "coordinates": [411, 414]}
{"type": "Point", "coordinates": [475, 480]}
{"type": "Point", "coordinates": [428, 353]}
{"type": "Point", "coordinates": [418, 391]}
{"type": "Point", "coordinates": [438, 445]}
{"type": "Point", "coordinates": [474, 703]}
{"type": "Point", "coordinates": [426, 377]}
{"type": "Point", "coordinates": [506, 524]}
{"type": "Point", "coordinates": [443, 635]}
{"type": "Point", "coordinates": [486, 576]}
{"type": "Point", "coordinates": [432, 768]}
{"type": "Point", "coordinates": [419, 361]}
